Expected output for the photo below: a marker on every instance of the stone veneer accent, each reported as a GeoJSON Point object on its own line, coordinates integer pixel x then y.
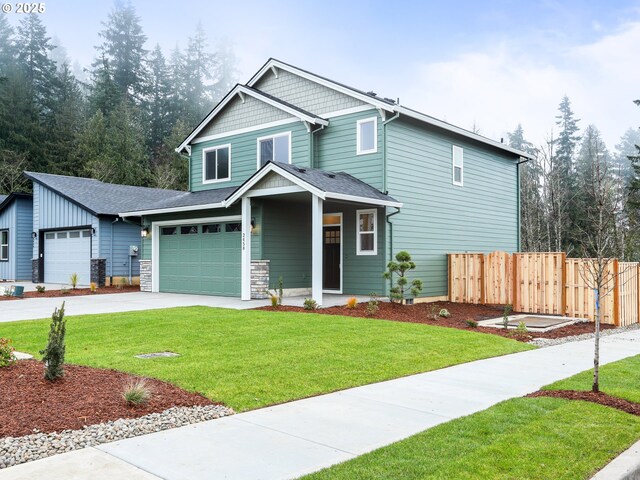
{"type": "Point", "coordinates": [259, 278]}
{"type": "Point", "coordinates": [35, 270]}
{"type": "Point", "coordinates": [99, 271]}
{"type": "Point", "coordinates": [145, 275]}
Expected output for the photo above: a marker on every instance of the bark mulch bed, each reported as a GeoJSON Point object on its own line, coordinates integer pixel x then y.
{"type": "Point", "coordinates": [74, 292]}
{"type": "Point", "coordinates": [599, 397]}
{"type": "Point", "coordinates": [460, 313]}
{"type": "Point", "coordinates": [84, 396]}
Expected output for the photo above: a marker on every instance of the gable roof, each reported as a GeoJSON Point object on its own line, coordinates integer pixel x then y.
{"type": "Point", "coordinates": [6, 200]}
{"type": "Point", "coordinates": [100, 198]}
{"type": "Point", "coordinates": [241, 90]}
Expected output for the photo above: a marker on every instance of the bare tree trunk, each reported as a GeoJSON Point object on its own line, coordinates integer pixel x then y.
{"type": "Point", "coordinates": [596, 354]}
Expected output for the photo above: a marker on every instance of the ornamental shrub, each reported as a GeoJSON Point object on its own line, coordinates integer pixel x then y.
{"type": "Point", "coordinates": [53, 354]}
{"type": "Point", "coordinates": [6, 353]}
{"type": "Point", "coordinates": [400, 267]}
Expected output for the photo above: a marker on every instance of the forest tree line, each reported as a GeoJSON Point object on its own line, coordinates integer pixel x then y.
{"type": "Point", "coordinates": [121, 121]}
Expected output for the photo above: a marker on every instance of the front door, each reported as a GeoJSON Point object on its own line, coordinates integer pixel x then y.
{"type": "Point", "coordinates": [331, 258]}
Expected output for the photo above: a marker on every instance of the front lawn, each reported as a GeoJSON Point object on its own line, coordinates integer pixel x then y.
{"type": "Point", "coordinates": [524, 438]}
{"type": "Point", "coordinates": [620, 379]}
{"type": "Point", "coordinates": [249, 359]}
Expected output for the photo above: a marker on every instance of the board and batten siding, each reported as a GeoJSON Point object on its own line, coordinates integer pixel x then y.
{"type": "Point", "coordinates": [335, 149]}
{"type": "Point", "coordinates": [438, 217]}
{"type": "Point", "coordinates": [123, 236]}
{"type": "Point", "coordinates": [50, 211]}
{"type": "Point", "coordinates": [16, 218]}
{"type": "Point", "coordinates": [244, 154]}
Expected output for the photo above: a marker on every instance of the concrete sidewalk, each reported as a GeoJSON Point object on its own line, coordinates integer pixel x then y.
{"type": "Point", "coordinates": [292, 439]}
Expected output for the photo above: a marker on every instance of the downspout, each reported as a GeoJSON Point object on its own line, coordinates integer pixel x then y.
{"type": "Point", "coordinates": [384, 151]}
{"type": "Point", "coordinates": [111, 252]}
{"type": "Point", "coordinates": [312, 146]}
{"type": "Point", "coordinates": [390, 223]}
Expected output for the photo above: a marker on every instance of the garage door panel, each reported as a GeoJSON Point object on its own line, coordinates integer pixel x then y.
{"type": "Point", "coordinates": [65, 253]}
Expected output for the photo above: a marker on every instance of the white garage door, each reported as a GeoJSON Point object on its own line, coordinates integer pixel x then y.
{"type": "Point", "coordinates": [66, 253]}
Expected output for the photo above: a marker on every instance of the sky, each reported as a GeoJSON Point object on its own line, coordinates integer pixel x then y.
{"type": "Point", "coordinates": [486, 65]}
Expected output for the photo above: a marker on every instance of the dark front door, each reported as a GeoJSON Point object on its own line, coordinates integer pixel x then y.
{"type": "Point", "coordinates": [331, 258]}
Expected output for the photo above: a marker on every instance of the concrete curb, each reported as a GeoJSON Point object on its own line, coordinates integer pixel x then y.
{"type": "Point", "coordinates": [625, 466]}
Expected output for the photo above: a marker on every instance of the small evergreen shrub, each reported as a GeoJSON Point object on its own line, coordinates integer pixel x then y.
{"type": "Point", "coordinates": [40, 288]}
{"type": "Point", "coordinates": [136, 392]}
{"type": "Point", "coordinates": [373, 305]}
{"type": "Point", "coordinates": [73, 280]}
{"type": "Point", "coordinates": [53, 354]}
{"type": "Point", "coordinates": [508, 309]}
{"type": "Point", "coordinates": [352, 302]}
{"type": "Point", "coordinates": [521, 329]}
{"type": "Point", "coordinates": [400, 267]}
{"type": "Point", "coordinates": [310, 304]}
{"type": "Point", "coordinates": [6, 353]}
{"type": "Point", "coordinates": [444, 313]}
{"type": "Point", "coordinates": [471, 323]}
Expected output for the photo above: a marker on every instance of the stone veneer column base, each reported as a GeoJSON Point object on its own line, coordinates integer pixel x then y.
{"type": "Point", "coordinates": [145, 275]}
{"type": "Point", "coordinates": [259, 278]}
{"type": "Point", "coordinates": [35, 270]}
{"type": "Point", "coordinates": [98, 271]}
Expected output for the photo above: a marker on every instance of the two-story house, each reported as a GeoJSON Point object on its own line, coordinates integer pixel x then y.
{"type": "Point", "coordinates": [297, 176]}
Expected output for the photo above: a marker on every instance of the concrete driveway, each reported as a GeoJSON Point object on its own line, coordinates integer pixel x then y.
{"type": "Point", "coordinates": [35, 308]}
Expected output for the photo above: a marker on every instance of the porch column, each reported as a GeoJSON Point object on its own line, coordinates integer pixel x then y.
{"type": "Point", "coordinates": [245, 292]}
{"type": "Point", "coordinates": [316, 248]}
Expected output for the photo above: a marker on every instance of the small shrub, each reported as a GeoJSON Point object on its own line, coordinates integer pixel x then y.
{"type": "Point", "coordinates": [471, 323]}
{"type": "Point", "coordinates": [6, 353]}
{"type": "Point", "coordinates": [373, 305]}
{"type": "Point", "coordinates": [7, 292]}
{"type": "Point", "coordinates": [444, 313]}
{"type": "Point", "coordinates": [310, 304]}
{"type": "Point", "coordinates": [433, 312]}
{"type": "Point", "coordinates": [93, 287]}
{"type": "Point", "coordinates": [53, 354]}
{"type": "Point", "coordinates": [521, 329]}
{"type": "Point", "coordinates": [508, 309]}
{"type": "Point", "coordinates": [122, 283]}
{"type": "Point", "coordinates": [40, 288]}
{"type": "Point", "coordinates": [352, 302]}
{"type": "Point", "coordinates": [274, 301]}
{"type": "Point", "coordinates": [400, 267]}
{"type": "Point", "coordinates": [278, 292]}
{"type": "Point", "coordinates": [73, 280]}
{"type": "Point", "coordinates": [136, 392]}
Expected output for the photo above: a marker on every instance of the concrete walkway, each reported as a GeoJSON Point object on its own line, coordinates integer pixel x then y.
{"type": "Point", "coordinates": [34, 308]}
{"type": "Point", "coordinates": [292, 439]}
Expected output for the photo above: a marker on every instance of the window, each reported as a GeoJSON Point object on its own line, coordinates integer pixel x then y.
{"type": "Point", "coordinates": [4, 245]}
{"type": "Point", "coordinates": [168, 231]}
{"type": "Point", "coordinates": [457, 157]}
{"type": "Point", "coordinates": [62, 235]}
{"type": "Point", "coordinates": [213, 228]}
{"type": "Point", "coordinates": [216, 164]}
{"type": "Point", "coordinates": [233, 227]}
{"type": "Point", "coordinates": [189, 230]}
{"type": "Point", "coordinates": [276, 148]}
{"type": "Point", "coordinates": [367, 242]}
{"type": "Point", "coordinates": [86, 233]}
{"type": "Point", "coordinates": [49, 236]}
{"type": "Point", "coordinates": [367, 136]}
{"type": "Point", "coordinates": [74, 234]}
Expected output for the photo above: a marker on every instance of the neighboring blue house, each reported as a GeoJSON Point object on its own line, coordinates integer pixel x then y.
{"type": "Point", "coordinates": [77, 229]}
{"type": "Point", "coordinates": [15, 237]}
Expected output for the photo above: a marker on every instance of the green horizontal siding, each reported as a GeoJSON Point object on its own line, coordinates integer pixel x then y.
{"type": "Point", "coordinates": [438, 217]}
{"type": "Point", "coordinates": [244, 156]}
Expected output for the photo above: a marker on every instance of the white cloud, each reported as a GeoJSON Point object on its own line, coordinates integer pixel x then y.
{"type": "Point", "coordinates": [509, 84]}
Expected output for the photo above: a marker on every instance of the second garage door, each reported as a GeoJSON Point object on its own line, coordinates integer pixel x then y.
{"type": "Point", "coordinates": [202, 259]}
{"type": "Point", "coordinates": [66, 253]}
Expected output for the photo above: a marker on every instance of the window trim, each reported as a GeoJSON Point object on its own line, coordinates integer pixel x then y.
{"type": "Point", "coordinates": [204, 164]}
{"type": "Point", "coordinates": [6, 259]}
{"type": "Point", "coordinates": [454, 149]}
{"type": "Point", "coordinates": [359, 250]}
{"type": "Point", "coordinates": [267, 137]}
{"type": "Point", "coordinates": [375, 136]}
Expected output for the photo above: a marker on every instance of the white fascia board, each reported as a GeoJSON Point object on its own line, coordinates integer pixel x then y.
{"type": "Point", "coordinates": [172, 210]}
{"type": "Point", "coordinates": [460, 131]}
{"type": "Point", "coordinates": [365, 200]}
{"type": "Point", "coordinates": [322, 81]}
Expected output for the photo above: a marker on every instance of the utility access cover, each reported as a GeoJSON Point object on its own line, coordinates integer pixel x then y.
{"type": "Point", "coordinates": [157, 355]}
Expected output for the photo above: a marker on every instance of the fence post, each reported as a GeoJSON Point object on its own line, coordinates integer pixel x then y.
{"type": "Point", "coordinates": [638, 293]}
{"type": "Point", "coordinates": [450, 289]}
{"type": "Point", "coordinates": [516, 280]}
{"type": "Point", "coordinates": [616, 293]}
{"type": "Point", "coordinates": [564, 284]}
{"type": "Point", "coordinates": [483, 283]}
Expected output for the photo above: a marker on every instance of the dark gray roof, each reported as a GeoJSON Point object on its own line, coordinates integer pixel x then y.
{"type": "Point", "coordinates": [335, 182]}
{"type": "Point", "coordinates": [192, 199]}
{"type": "Point", "coordinates": [101, 198]}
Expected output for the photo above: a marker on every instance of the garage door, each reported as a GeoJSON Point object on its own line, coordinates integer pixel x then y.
{"type": "Point", "coordinates": [203, 259]}
{"type": "Point", "coordinates": [66, 253]}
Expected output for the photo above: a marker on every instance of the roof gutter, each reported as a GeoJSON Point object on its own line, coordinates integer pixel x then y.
{"type": "Point", "coordinates": [158, 211]}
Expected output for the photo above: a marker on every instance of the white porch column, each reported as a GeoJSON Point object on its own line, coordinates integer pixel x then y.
{"type": "Point", "coordinates": [245, 292]}
{"type": "Point", "coordinates": [316, 248]}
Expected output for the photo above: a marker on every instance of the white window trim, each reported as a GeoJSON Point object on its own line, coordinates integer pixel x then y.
{"type": "Point", "coordinates": [375, 136]}
{"type": "Point", "coordinates": [455, 149]}
{"type": "Point", "coordinates": [4, 259]}
{"type": "Point", "coordinates": [359, 251]}
{"type": "Point", "coordinates": [267, 137]}
{"type": "Point", "coordinates": [204, 164]}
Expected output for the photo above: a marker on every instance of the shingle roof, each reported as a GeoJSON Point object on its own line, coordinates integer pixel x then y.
{"type": "Point", "coordinates": [101, 198]}
{"type": "Point", "coordinates": [335, 182]}
{"type": "Point", "coordinates": [191, 199]}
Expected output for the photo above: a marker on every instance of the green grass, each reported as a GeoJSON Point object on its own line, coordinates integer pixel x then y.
{"type": "Point", "coordinates": [249, 359]}
{"type": "Point", "coordinates": [620, 379]}
{"type": "Point", "coordinates": [524, 438]}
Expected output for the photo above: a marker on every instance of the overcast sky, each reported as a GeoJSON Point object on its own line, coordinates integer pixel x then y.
{"type": "Point", "coordinates": [492, 64]}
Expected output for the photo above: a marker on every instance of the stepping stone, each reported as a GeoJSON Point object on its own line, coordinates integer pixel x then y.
{"type": "Point", "coordinates": [22, 356]}
{"type": "Point", "coordinates": [157, 355]}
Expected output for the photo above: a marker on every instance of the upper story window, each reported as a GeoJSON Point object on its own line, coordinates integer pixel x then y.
{"type": "Point", "coordinates": [274, 148]}
{"type": "Point", "coordinates": [367, 136]}
{"type": "Point", "coordinates": [4, 245]}
{"type": "Point", "coordinates": [216, 164]}
{"type": "Point", "coordinates": [457, 157]}
{"type": "Point", "coordinates": [367, 241]}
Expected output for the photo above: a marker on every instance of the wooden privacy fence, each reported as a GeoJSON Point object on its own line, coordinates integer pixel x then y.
{"type": "Point", "coordinates": [547, 283]}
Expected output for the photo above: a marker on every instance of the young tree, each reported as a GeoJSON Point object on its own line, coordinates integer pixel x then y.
{"type": "Point", "coordinates": [400, 267]}
{"type": "Point", "coordinates": [54, 352]}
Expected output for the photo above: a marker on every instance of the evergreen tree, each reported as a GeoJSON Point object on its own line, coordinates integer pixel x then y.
{"type": "Point", "coordinates": [160, 117]}
{"type": "Point", "coordinates": [93, 150]}
{"type": "Point", "coordinates": [170, 169]}
{"type": "Point", "coordinates": [227, 73]}
{"type": "Point", "coordinates": [7, 45]}
{"type": "Point", "coordinates": [568, 137]}
{"type": "Point", "coordinates": [104, 95]}
{"type": "Point", "coordinates": [197, 77]}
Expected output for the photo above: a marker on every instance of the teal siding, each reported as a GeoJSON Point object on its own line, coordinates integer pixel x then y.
{"type": "Point", "coordinates": [438, 217]}
{"type": "Point", "coordinates": [335, 149]}
{"type": "Point", "coordinates": [244, 154]}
